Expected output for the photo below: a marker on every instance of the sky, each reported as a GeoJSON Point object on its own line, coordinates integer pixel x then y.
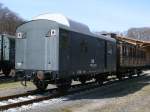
{"type": "Point", "coordinates": [99, 15]}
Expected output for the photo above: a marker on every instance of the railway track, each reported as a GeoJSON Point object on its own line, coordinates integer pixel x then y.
{"type": "Point", "coordinates": [30, 97]}
{"type": "Point", "coordinates": [32, 92]}
{"type": "Point", "coordinates": [33, 96]}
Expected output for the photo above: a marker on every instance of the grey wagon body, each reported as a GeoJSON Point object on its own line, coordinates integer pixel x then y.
{"type": "Point", "coordinates": [69, 51]}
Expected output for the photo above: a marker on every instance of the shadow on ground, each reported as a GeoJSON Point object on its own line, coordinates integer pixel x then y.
{"type": "Point", "coordinates": [4, 79]}
{"type": "Point", "coordinates": [114, 90]}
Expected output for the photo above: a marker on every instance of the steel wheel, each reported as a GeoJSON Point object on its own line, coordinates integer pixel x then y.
{"type": "Point", "coordinates": [40, 84]}
{"type": "Point", "coordinates": [83, 81]}
{"type": "Point", "coordinates": [6, 72]}
{"type": "Point", "coordinates": [63, 85]}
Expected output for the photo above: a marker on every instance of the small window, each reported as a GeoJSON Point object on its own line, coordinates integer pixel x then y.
{"type": "Point", "coordinates": [99, 42]}
{"type": "Point", "coordinates": [64, 39]}
{"type": "Point", "coordinates": [84, 46]}
{"type": "Point", "coordinates": [20, 35]}
{"type": "Point", "coordinates": [127, 51]}
{"type": "Point", "coordinates": [51, 32]}
{"type": "Point", "coordinates": [109, 49]}
{"type": "Point", "coordinates": [124, 50]}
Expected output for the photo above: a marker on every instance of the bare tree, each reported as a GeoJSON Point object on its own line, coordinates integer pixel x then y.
{"type": "Point", "coordinates": [139, 33]}
{"type": "Point", "coordinates": [9, 20]}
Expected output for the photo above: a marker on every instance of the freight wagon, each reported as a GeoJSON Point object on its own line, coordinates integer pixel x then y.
{"type": "Point", "coordinates": [7, 53]}
{"type": "Point", "coordinates": [56, 50]}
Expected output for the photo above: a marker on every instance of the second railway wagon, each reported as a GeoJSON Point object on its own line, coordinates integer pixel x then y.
{"type": "Point", "coordinates": [7, 53]}
{"type": "Point", "coordinates": [57, 50]}
{"type": "Point", "coordinates": [131, 57]}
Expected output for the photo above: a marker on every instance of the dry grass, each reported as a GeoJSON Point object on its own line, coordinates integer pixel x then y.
{"type": "Point", "coordinates": [11, 85]}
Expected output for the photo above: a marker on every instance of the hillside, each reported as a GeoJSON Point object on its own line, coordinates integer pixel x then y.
{"type": "Point", "coordinates": [139, 33]}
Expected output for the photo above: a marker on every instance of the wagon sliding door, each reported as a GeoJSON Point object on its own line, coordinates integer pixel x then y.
{"type": "Point", "coordinates": [64, 51]}
{"type": "Point", "coordinates": [105, 56]}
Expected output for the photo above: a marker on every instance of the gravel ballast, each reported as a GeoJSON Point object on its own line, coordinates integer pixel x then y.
{"type": "Point", "coordinates": [126, 96]}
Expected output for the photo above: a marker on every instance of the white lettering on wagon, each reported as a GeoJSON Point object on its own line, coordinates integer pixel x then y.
{"type": "Point", "coordinates": [93, 64]}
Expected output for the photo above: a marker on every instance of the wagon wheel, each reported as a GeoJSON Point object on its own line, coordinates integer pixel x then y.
{"type": "Point", "coordinates": [63, 85]}
{"type": "Point", "coordinates": [99, 80]}
{"type": "Point", "coordinates": [139, 72]}
{"type": "Point", "coordinates": [120, 77]}
{"type": "Point", "coordinates": [82, 80]}
{"type": "Point", "coordinates": [131, 75]}
{"type": "Point", "coordinates": [6, 72]}
{"type": "Point", "coordinates": [41, 85]}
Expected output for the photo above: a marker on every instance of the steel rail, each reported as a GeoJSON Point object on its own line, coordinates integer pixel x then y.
{"type": "Point", "coordinates": [91, 85]}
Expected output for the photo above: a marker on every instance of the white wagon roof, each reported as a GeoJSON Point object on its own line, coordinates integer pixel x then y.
{"type": "Point", "coordinates": [61, 19]}
{"type": "Point", "coordinates": [73, 25]}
